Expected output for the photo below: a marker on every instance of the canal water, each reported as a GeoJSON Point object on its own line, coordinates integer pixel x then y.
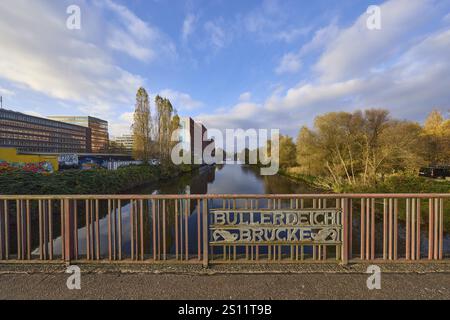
{"type": "Point", "coordinates": [228, 179]}
{"type": "Point", "coordinates": [220, 179]}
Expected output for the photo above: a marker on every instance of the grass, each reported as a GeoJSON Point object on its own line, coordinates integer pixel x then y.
{"type": "Point", "coordinates": [404, 184]}
{"type": "Point", "coordinates": [396, 183]}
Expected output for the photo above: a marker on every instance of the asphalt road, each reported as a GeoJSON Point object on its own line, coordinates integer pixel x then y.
{"type": "Point", "coordinates": [222, 286]}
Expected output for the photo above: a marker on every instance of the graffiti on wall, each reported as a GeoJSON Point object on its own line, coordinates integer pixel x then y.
{"type": "Point", "coordinates": [38, 167]}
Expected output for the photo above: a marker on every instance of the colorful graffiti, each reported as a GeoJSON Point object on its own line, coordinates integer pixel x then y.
{"type": "Point", "coordinates": [39, 167]}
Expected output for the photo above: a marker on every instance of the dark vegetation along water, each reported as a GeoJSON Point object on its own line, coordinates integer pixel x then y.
{"type": "Point", "coordinates": [225, 179]}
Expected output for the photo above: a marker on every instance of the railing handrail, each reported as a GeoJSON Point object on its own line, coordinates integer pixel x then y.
{"type": "Point", "coordinates": [420, 211]}
{"type": "Point", "coordinates": [231, 196]}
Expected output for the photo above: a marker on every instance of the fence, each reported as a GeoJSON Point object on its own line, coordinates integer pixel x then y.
{"type": "Point", "coordinates": [114, 165]}
{"type": "Point", "coordinates": [210, 229]}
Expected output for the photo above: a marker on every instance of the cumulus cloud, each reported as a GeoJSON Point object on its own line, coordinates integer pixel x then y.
{"type": "Point", "coordinates": [180, 100]}
{"type": "Point", "coordinates": [410, 77]}
{"type": "Point", "coordinates": [43, 55]}
{"type": "Point", "coordinates": [322, 37]}
{"type": "Point", "coordinates": [123, 126]}
{"type": "Point", "coordinates": [290, 63]}
{"type": "Point", "coordinates": [135, 37]}
{"type": "Point", "coordinates": [245, 96]}
{"type": "Point", "coordinates": [357, 49]}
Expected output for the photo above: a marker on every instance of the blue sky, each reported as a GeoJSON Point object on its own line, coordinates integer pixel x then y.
{"type": "Point", "coordinates": [228, 63]}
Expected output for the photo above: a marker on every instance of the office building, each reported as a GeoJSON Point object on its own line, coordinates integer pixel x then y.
{"type": "Point", "coordinates": [98, 128]}
{"type": "Point", "coordinates": [191, 137]}
{"type": "Point", "coordinates": [28, 133]}
{"type": "Point", "coordinates": [125, 141]}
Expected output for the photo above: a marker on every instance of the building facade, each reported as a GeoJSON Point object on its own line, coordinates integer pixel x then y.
{"type": "Point", "coordinates": [125, 141]}
{"type": "Point", "coordinates": [28, 133]}
{"type": "Point", "coordinates": [191, 136]}
{"type": "Point", "coordinates": [98, 128]}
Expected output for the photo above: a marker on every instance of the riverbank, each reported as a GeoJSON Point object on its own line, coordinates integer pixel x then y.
{"type": "Point", "coordinates": [88, 181]}
{"type": "Point", "coordinates": [391, 184]}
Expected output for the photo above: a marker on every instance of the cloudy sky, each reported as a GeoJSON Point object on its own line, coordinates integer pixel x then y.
{"type": "Point", "coordinates": [229, 63]}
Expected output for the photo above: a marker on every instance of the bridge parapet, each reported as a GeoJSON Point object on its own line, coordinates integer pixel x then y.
{"type": "Point", "coordinates": [207, 229]}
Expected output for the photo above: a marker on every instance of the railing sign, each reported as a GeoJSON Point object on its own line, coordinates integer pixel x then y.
{"type": "Point", "coordinates": [315, 226]}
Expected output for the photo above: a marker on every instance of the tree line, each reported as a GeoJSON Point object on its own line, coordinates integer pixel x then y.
{"type": "Point", "coordinates": [364, 147]}
{"type": "Point", "coordinates": [152, 134]}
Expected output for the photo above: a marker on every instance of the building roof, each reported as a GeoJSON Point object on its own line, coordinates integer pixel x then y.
{"type": "Point", "coordinates": [81, 117]}
{"type": "Point", "coordinates": [41, 118]}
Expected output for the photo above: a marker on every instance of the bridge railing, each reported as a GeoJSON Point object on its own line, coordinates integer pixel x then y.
{"type": "Point", "coordinates": [225, 228]}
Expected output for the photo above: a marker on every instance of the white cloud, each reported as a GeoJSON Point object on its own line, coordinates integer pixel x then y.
{"type": "Point", "coordinates": [188, 26]}
{"type": "Point", "coordinates": [290, 63]}
{"type": "Point", "coordinates": [127, 117]}
{"type": "Point", "coordinates": [135, 37]}
{"type": "Point", "coordinates": [409, 82]}
{"type": "Point", "coordinates": [117, 129]}
{"type": "Point", "coordinates": [6, 92]}
{"type": "Point", "coordinates": [245, 96]}
{"type": "Point", "coordinates": [358, 49]}
{"type": "Point", "coordinates": [321, 39]}
{"type": "Point", "coordinates": [121, 41]}
{"type": "Point", "coordinates": [242, 115]}
{"type": "Point", "coordinates": [264, 18]}
{"type": "Point", "coordinates": [122, 125]}
{"type": "Point", "coordinates": [271, 21]}
{"type": "Point", "coordinates": [180, 100]}
{"type": "Point", "coordinates": [292, 34]}
{"type": "Point", "coordinates": [446, 19]}
{"type": "Point", "coordinates": [217, 35]}
{"type": "Point", "coordinates": [41, 54]}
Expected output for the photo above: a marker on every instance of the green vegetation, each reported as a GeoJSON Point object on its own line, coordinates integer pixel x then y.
{"type": "Point", "coordinates": [167, 121]}
{"type": "Point", "coordinates": [86, 182]}
{"type": "Point", "coordinates": [399, 183]}
{"type": "Point", "coordinates": [152, 136]}
{"type": "Point", "coordinates": [368, 151]}
{"type": "Point", "coordinates": [142, 127]}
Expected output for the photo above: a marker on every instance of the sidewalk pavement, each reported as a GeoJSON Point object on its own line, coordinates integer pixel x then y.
{"type": "Point", "coordinates": [406, 281]}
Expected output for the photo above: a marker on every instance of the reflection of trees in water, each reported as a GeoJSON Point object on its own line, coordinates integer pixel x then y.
{"type": "Point", "coordinates": [282, 185]}
{"type": "Point", "coordinates": [40, 224]}
{"type": "Point", "coordinates": [193, 183]}
{"type": "Point", "coordinates": [278, 184]}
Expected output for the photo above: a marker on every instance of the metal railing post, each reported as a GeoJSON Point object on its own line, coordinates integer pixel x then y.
{"type": "Point", "coordinates": [345, 233]}
{"type": "Point", "coordinates": [69, 248]}
{"type": "Point", "coordinates": [205, 233]}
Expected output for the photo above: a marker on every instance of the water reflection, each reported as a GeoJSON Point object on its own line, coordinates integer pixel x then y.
{"type": "Point", "coordinates": [225, 179]}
